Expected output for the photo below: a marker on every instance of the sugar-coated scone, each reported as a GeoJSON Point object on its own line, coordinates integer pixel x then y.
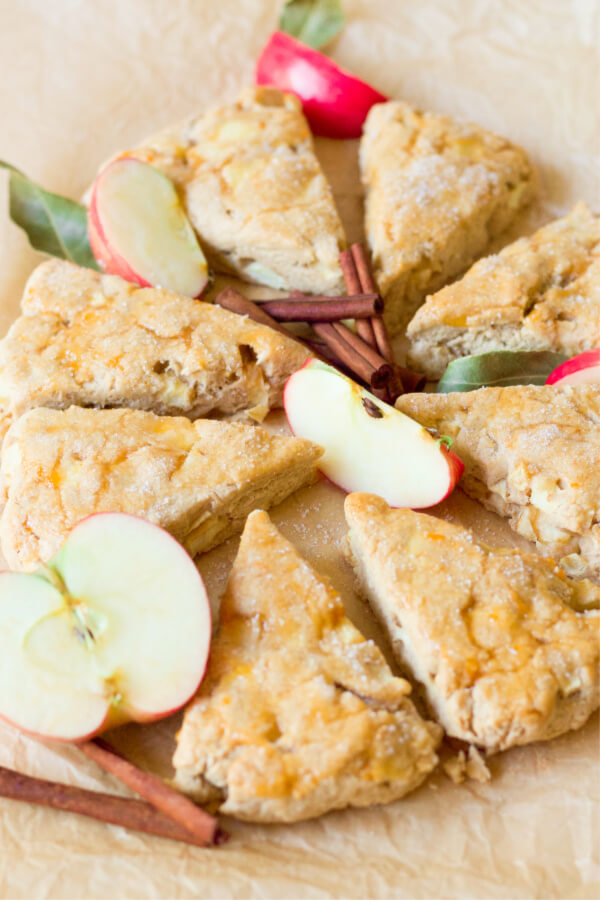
{"type": "Point", "coordinates": [531, 454]}
{"type": "Point", "coordinates": [437, 192]}
{"type": "Point", "coordinates": [95, 340]}
{"type": "Point", "coordinates": [298, 713]}
{"type": "Point", "coordinates": [254, 191]}
{"type": "Point", "coordinates": [540, 293]}
{"type": "Point", "coordinates": [198, 480]}
{"type": "Point", "coordinates": [501, 640]}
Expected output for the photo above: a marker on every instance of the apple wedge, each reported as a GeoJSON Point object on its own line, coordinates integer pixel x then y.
{"type": "Point", "coordinates": [582, 369]}
{"type": "Point", "coordinates": [115, 628]}
{"type": "Point", "coordinates": [139, 230]}
{"type": "Point", "coordinates": [369, 445]}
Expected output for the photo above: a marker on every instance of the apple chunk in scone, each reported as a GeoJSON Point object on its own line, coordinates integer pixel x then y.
{"type": "Point", "coordinates": [116, 627]}
{"type": "Point", "coordinates": [199, 480]}
{"type": "Point", "coordinates": [368, 445]}
{"type": "Point", "coordinates": [298, 713]}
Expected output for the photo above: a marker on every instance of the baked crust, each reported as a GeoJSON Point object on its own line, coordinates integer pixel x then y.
{"type": "Point", "coordinates": [437, 192]}
{"type": "Point", "coordinates": [95, 340]}
{"type": "Point", "coordinates": [540, 293]}
{"type": "Point", "coordinates": [298, 713]}
{"type": "Point", "coordinates": [531, 454]}
{"type": "Point", "coordinates": [199, 480]}
{"type": "Point", "coordinates": [496, 637]}
{"type": "Point", "coordinates": [255, 192]}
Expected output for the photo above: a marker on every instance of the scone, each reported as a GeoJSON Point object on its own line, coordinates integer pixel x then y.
{"type": "Point", "coordinates": [437, 192]}
{"type": "Point", "coordinates": [199, 480]}
{"type": "Point", "coordinates": [95, 340]}
{"type": "Point", "coordinates": [298, 713]}
{"type": "Point", "coordinates": [255, 192]}
{"type": "Point", "coordinates": [498, 639]}
{"type": "Point", "coordinates": [540, 293]}
{"type": "Point", "coordinates": [531, 454]}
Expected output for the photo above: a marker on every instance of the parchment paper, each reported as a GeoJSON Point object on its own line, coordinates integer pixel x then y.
{"type": "Point", "coordinates": [83, 79]}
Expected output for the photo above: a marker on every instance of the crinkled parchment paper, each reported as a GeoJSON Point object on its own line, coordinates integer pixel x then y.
{"type": "Point", "coordinates": [83, 79]}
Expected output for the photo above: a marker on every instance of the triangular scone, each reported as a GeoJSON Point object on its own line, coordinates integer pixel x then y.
{"type": "Point", "coordinates": [298, 713]}
{"type": "Point", "coordinates": [438, 191]}
{"type": "Point", "coordinates": [531, 454]}
{"type": "Point", "coordinates": [199, 480]}
{"type": "Point", "coordinates": [95, 340]}
{"type": "Point", "coordinates": [255, 192]}
{"type": "Point", "coordinates": [540, 293]}
{"type": "Point", "coordinates": [495, 637]}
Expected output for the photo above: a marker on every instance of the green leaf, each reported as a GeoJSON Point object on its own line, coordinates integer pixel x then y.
{"type": "Point", "coordinates": [499, 368]}
{"type": "Point", "coordinates": [53, 224]}
{"type": "Point", "coordinates": [314, 22]}
{"type": "Point", "coordinates": [445, 440]}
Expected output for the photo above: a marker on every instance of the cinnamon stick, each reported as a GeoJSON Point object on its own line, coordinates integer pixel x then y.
{"type": "Point", "coordinates": [235, 302]}
{"type": "Point", "coordinates": [367, 284]}
{"type": "Point", "coordinates": [133, 814]}
{"type": "Point", "coordinates": [363, 326]}
{"type": "Point", "coordinates": [173, 804]}
{"type": "Point", "coordinates": [336, 340]}
{"type": "Point", "coordinates": [299, 308]}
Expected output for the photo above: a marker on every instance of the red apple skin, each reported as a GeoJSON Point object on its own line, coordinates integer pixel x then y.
{"type": "Point", "coordinates": [335, 102]}
{"type": "Point", "coordinates": [588, 361]}
{"type": "Point", "coordinates": [110, 260]}
{"type": "Point", "coordinates": [456, 466]}
{"type": "Point", "coordinates": [116, 716]}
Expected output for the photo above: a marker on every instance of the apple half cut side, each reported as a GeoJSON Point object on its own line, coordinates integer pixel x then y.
{"type": "Point", "coordinates": [138, 229]}
{"type": "Point", "coordinates": [115, 628]}
{"type": "Point", "coordinates": [334, 101]}
{"type": "Point", "coordinates": [581, 369]}
{"type": "Point", "coordinates": [369, 445]}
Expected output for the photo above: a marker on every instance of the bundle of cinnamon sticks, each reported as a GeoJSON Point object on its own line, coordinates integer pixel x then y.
{"type": "Point", "coordinates": [162, 811]}
{"type": "Point", "coordinates": [365, 354]}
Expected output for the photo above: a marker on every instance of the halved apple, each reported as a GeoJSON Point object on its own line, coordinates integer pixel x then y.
{"type": "Point", "coordinates": [369, 445]}
{"type": "Point", "coordinates": [116, 627]}
{"type": "Point", "coordinates": [581, 369]}
{"type": "Point", "coordinates": [139, 230]}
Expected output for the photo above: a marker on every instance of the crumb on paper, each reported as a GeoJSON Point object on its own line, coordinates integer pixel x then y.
{"type": "Point", "coordinates": [471, 765]}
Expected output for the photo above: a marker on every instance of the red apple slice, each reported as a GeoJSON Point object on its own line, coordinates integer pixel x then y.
{"type": "Point", "coordinates": [369, 445]}
{"type": "Point", "coordinates": [582, 369]}
{"type": "Point", "coordinates": [335, 102]}
{"type": "Point", "coordinates": [139, 230]}
{"type": "Point", "coordinates": [115, 628]}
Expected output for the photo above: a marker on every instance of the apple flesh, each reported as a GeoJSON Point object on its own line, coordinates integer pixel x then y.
{"type": "Point", "coordinates": [115, 628]}
{"type": "Point", "coordinates": [335, 102]}
{"type": "Point", "coordinates": [369, 445]}
{"type": "Point", "coordinates": [139, 230]}
{"type": "Point", "coordinates": [582, 369]}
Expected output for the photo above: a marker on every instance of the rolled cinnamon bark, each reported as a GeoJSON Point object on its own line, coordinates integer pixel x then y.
{"type": "Point", "coordinates": [363, 327]}
{"type": "Point", "coordinates": [135, 815]}
{"type": "Point", "coordinates": [299, 308]}
{"type": "Point", "coordinates": [160, 795]}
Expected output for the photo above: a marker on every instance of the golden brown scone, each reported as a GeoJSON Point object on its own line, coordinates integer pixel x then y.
{"type": "Point", "coordinates": [540, 293]}
{"type": "Point", "coordinates": [199, 480]}
{"type": "Point", "coordinates": [255, 192]}
{"type": "Point", "coordinates": [438, 191]}
{"type": "Point", "coordinates": [95, 340]}
{"type": "Point", "coordinates": [495, 636]}
{"type": "Point", "coordinates": [298, 713]}
{"type": "Point", "coordinates": [531, 454]}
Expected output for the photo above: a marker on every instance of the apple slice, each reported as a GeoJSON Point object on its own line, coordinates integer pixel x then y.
{"type": "Point", "coordinates": [116, 627]}
{"type": "Point", "coordinates": [334, 101]}
{"type": "Point", "coordinates": [139, 230]}
{"type": "Point", "coordinates": [582, 369]}
{"type": "Point", "coordinates": [369, 445]}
